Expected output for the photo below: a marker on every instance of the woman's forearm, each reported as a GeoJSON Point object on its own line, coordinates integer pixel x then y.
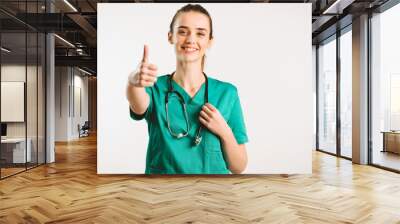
{"type": "Point", "coordinates": [138, 98]}
{"type": "Point", "coordinates": [236, 154]}
{"type": "Point", "coordinates": [145, 75]}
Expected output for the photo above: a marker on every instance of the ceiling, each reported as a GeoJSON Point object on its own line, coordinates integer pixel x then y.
{"type": "Point", "coordinates": [76, 22]}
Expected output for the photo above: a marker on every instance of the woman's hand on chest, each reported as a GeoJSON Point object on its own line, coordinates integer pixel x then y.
{"type": "Point", "coordinates": [212, 119]}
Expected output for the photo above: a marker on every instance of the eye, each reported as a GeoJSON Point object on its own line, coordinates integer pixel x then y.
{"type": "Point", "coordinates": [181, 32]}
{"type": "Point", "coordinates": [201, 34]}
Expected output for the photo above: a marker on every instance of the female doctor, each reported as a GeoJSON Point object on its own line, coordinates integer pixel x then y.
{"type": "Point", "coordinates": [195, 122]}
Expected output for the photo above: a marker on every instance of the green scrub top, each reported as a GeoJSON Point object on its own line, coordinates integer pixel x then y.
{"type": "Point", "coordinates": [169, 155]}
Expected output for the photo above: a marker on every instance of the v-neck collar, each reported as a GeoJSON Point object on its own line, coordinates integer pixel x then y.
{"type": "Point", "coordinates": [198, 97]}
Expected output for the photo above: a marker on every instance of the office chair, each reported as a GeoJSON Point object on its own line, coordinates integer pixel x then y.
{"type": "Point", "coordinates": [84, 130]}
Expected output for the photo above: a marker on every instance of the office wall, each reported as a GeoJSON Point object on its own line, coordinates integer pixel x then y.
{"type": "Point", "coordinates": [80, 105]}
{"type": "Point", "coordinates": [62, 81]}
{"type": "Point", "coordinates": [71, 102]}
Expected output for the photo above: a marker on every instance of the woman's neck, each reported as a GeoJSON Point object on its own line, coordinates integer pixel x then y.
{"type": "Point", "coordinates": [189, 76]}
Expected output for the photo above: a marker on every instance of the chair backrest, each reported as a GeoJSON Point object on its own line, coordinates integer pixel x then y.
{"type": "Point", "coordinates": [86, 124]}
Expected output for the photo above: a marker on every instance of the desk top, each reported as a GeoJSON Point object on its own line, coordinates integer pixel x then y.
{"type": "Point", "coordinates": [391, 132]}
{"type": "Point", "coordinates": [13, 140]}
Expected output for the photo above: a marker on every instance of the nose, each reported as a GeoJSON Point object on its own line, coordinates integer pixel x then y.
{"type": "Point", "coordinates": [190, 39]}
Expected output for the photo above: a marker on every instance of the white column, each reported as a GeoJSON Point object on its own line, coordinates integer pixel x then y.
{"type": "Point", "coordinates": [360, 90]}
{"type": "Point", "coordinates": [50, 110]}
{"type": "Point", "coordinates": [50, 92]}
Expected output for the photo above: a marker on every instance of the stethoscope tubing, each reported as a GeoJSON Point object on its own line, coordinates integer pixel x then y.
{"type": "Point", "coordinates": [171, 90]}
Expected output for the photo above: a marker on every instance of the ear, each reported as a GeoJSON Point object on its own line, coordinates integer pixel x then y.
{"type": "Point", "coordinates": [210, 43]}
{"type": "Point", "coordinates": [170, 37]}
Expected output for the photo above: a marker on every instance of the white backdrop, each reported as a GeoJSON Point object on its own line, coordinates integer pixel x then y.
{"type": "Point", "coordinates": [263, 49]}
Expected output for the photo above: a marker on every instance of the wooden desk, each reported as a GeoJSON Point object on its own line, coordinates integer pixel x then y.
{"type": "Point", "coordinates": [391, 141]}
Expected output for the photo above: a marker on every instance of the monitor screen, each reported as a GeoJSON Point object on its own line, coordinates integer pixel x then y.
{"type": "Point", "coordinates": [3, 129]}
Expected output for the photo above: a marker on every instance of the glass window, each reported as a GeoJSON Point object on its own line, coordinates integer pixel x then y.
{"type": "Point", "coordinates": [14, 153]}
{"type": "Point", "coordinates": [314, 74]}
{"type": "Point", "coordinates": [327, 96]}
{"type": "Point", "coordinates": [41, 98]}
{"type": "Point", "coordinates": [346, 94]}
{"type": "Point", "coordinates": [31, 101]}
{"type": "Point", "coordinates": [22, 91]}
{"type": "Point", "coordinates": [385, 81]}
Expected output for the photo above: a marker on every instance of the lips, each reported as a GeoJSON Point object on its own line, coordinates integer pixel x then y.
{"type": "Point", "coordinates": [188, 49]}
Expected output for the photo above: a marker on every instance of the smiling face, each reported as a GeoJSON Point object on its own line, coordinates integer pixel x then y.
{"type": "Point", "coordinates": [190, 36]}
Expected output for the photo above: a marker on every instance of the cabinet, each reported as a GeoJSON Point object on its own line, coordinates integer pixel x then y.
{"type": "Point", "coordinates": [391, 141]}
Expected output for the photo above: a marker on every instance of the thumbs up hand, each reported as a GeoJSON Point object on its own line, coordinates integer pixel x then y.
{"type": "Point", "coordinates": [145, 74]}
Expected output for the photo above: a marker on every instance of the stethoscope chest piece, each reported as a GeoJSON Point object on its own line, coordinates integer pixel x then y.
{"type": "Point", "coordinates": [197, 140]}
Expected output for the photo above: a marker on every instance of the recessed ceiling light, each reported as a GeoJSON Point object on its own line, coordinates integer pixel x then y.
{"type": "Point", "coordinates": [84, 71]}
{"type": "Point", "coordinates": [64, 40]}
{"type": "Point", "coordinates": [337, 7]}
{"type": "Point", "coordinates": [70, 5]}
{"type": "Point", "coordinates": [5, 50]}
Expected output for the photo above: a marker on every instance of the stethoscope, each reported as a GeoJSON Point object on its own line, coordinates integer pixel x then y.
{"type": "Point", "coordinates": [171, 90]}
